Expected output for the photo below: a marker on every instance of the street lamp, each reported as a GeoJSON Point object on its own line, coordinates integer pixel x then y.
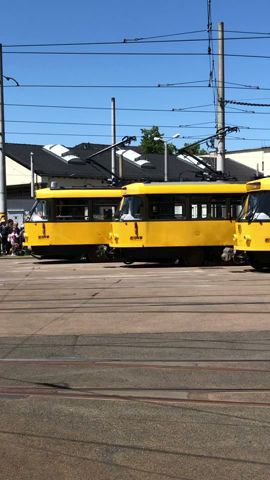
{"type": "Point", "coordinates": [3, 181]}
{"type": "Point", "coordinates": [176, 135]}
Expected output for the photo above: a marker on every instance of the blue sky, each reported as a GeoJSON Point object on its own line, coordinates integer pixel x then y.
{"type": "Point", "coordinates": [59, 21]}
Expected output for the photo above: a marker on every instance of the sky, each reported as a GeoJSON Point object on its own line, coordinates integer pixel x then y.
{"type": "Point", "coordinates": [161, 79]}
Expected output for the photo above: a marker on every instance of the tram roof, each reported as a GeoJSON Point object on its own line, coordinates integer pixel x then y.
{"type": "Point", "coordinates": [184, 188]}
{"type": "Point", "coordinates": [78, 193]}
{"type": "Point", "coordinates": [260, 184]}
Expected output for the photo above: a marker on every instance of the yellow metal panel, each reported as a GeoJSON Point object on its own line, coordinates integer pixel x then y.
{"type": "Point", "coordinates": [74, 193]}
{"type": "Point", "coordinates": [184, 188]}
{"type": "Point", "coordinates": [253, 236]}
{"type": "Point", "coordinates": [172, 234]}
{"type": "Point", "coordinates": [47, 233]}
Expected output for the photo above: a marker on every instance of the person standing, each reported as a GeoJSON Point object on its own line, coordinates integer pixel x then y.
{"type": "Point", "coordinates": [14, 239]}
{"type": "Point", "coordinates": [7, 229]}
{"type": "Point", "coordinates": [2, 226]}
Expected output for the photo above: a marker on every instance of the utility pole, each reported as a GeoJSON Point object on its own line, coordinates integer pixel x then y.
{"type": "Point", "coordinates": [113, 135]}
{"type": "Point", "coordinates": [165, 161]}
{"type": "Point", "coordinates": [32, 175]}
{"type": "Point", "coordinates": [3, 187]}
{"type": "Point", "coordinates": [221, 101]}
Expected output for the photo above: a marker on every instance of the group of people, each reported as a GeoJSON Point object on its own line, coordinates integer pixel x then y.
{"type": "Point", "coordinates": [11, 237]}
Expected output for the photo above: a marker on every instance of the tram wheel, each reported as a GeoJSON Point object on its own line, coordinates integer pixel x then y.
{"type": "Point", "coordinates": [193, 257]}
{"type": "Point", "coordinates": [92, 255]}
{"type": "Point", "coordinates": [255, 263]}
{"type": "Point", "coordinates": [257, 266]}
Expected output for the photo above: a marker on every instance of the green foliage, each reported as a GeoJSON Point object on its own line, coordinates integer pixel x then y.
{"type": "Point", "coordinates": [172, 150]}
{"type": "Point", "coordinates": [148, 144]}
{"type": "Point", "coordinates": [195, 149]}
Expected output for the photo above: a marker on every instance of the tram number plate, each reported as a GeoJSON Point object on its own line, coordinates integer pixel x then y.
{"type": "Point", "coordinates": [135, 238]}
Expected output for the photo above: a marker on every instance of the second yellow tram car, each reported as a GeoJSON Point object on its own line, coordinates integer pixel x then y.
{"type": "Point", "coordinates": [71, 223]}
{"type": "Point", "coordinates": [252, 234]}
{"type": "Point", "coordinates": [188, 222]}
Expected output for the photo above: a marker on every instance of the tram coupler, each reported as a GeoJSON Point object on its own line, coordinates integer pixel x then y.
{"type": "Point", "coordinates": [231, 255]}
{"type": "Point", "coordinates": [240, 258]}
{"type": "Point", "coordinates": [227, 254]}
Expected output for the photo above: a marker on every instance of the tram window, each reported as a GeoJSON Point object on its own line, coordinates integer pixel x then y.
{"type": "Point", "coordinates": [194, 210]}
{"type": "Point", "coordinates": [72, 209]}
{"type": "Point", "coordinates": [218, 209]}
{"type": "Point", "coordinates": [39, 212]}
{"type": "Point", "coordinates": [131, 208]}
{"type": "Point", "coordinates": [199, 210]}
{"type": "Point", "coordinates": [104, 210]}
{"type": "Point", "coordinates": [208, 208]}
{"type": "Point", "coordinates": [204, 210]}
{"type": "Point", "coordinates": [235, 208]}
{"type": "Point", "coordinates": [179, 209]}
{"type": "Point", "coordinates": [256, 207]}
{"type": "Point", "coordinates": [166, 207]}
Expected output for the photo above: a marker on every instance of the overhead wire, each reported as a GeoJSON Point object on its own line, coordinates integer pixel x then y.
{"type": "Point", "coordinates": [212, 81]}
{"type": "Point", "coordinates": [249, 104]}
{"type": "Point", "coordinates": [83, 107]}
{"type": "Point", "coordinates": [190, 126]}
{"type": "Point", "coordinates": [212, 71]}
{"type": "Point", "coordinates": [169, 110]}
{"type": "Point", "coordinates": [144, 40]}
{"type": "Point", "coordinates": [159, 86]}
{"type": "Point", "coordinates": [88, 135]}
{"type": "Point", "coordinates": [202, 125]}
{"type": "Point", "coordinates": [111, 42]}
{"type": "Point", "coordinates": [153, 54]}
{"type": "Point", "coordinates": [103, 124]}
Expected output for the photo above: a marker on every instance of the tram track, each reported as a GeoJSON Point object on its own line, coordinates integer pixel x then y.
{"type": "Point", "coordinates": [252, 395]}
{"type": "Point", "coordinates": [185, 365]}
{"type": "Point", "coordinates": [157, 396]}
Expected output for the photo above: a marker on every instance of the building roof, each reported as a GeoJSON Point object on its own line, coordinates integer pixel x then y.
{"type": "Point", "coordinates": [49, 165]}
{"type": "Point", "coordinates": [235, 169]}
{"type": "Point", "coordinates": [248, 150]}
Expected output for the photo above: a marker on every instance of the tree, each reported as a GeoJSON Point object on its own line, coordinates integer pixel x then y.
{"type": "Point", "coordinates": [149, 145]}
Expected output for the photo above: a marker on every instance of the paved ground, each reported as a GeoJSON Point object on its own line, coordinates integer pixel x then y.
{"type": "Point", "coordinates": [139, 372]}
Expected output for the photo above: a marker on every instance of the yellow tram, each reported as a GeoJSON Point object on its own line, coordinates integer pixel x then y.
{"type": "Point", "coordinates": [71, 222]}
{"type": "Point", "coordinates": [252, 234]}
{"type": "Point", "coordinates": [188, 222]}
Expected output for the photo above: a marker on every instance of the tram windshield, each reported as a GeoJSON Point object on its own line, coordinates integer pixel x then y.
{"type": "Point", "coordinates": [256, 207]}
{"type": "Point", "coordinates": [39, 212]}
{"type": "Point", "coordinates": [131, 208]}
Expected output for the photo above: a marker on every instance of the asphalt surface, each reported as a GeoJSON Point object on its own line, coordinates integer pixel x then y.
{"type": "Point", "coordinates": [133, 372]}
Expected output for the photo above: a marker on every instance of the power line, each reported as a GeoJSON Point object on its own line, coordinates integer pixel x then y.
{"type": "Point", "coordinates": [201, 125]}
{"type": "Point", "coordinates": [137, 41]}
{"type": "Point", "coordinates": [245, 32]}
{"type": "Point", "coordinates": [188, 85]}
{"type": "Point", "coordinates": [184, 137]}
{"type": "Point", "coordinates": [191, 126]}
{"type": "Point", "coordinates": [42, 122]}
{"type": "Point", "coordinates": [111, 42]}
{"type": "Point", "coordinates": [62, 134]}
{"type": "Point", "coordinates": [212, 71]}
{"type": "Point", "coordinates": [161, 86]}
{"type": "Point", "coordinates": [82, 107]}
{"type": "Point", "coordinates": [249, 104]}
{"type": "Point", "coordinates": [153, 54]}
{"type": "Point", "coordinates": [190, 109]}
